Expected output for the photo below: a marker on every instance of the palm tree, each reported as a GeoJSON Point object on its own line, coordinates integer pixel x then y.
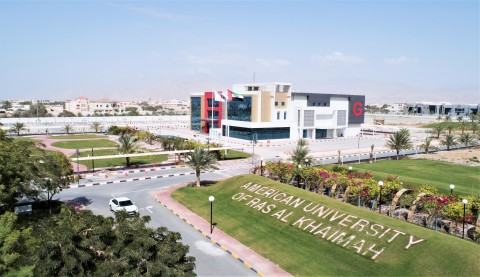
{"type": "Point", "coordinates": [302, 142]}
{"type": "Point", "coordinates": [463, 125]}
{"type": "Point", "coordinates": [68, 128]}
{"type": "Point", "coordinates": [17, 128]}
{"type": "Point", "coordinates": [200, 159]}
{"type": "Point", "coordinates": [467, 140]}
{"type": "Point", "coordinates": [439, 117]}
{"type": "Point", "coordinates": [459, 118]}
{"type": "Point", "coordinates": [97, 126]}
{"type": "Point", "coordinates": [438, 130]}
{"type": "Point", "coordinates": [474, 127]}
{"type": "Point", "coordinates": [448, 118]}
{"type": "Point", "coordinates": [450, 128]}
{"type": "Point", "coordinates": [300, 153]}
{"type": "Point", "coordinates": [449, 141]}
{"type": "Point", "coordinates": [128, 144]}
{"type": "Point", "coordinates": [427, 145]}
{"type": "Point", "coordinates": [472, 117]}
{"type": "Point", "coordinates": [399, 140]}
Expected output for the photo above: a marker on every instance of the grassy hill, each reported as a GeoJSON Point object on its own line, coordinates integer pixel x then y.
{"type": "Point", "coordinates": [311, 235]}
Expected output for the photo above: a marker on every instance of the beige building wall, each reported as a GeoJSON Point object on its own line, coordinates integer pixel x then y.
{"type": "Point", "coordinates": [282, 97]}
{"type": "Point", "coordinates": [255, 107]}
{"type": "Point", "coordinates": [266, 111]}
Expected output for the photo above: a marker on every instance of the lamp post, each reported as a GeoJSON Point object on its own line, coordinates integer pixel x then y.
{"type": "Point", "coordinates": [349, 168]}
{"type": "Point", "coordinates": [93, 163]}
{"type": "Point", "coordinates": [452, 186]}
{"type": "Point", "coordinates": [78, 167]}
{"type": "Point", "coordinates": [465, 202]}
{"type": "Point", "coordinates": [298, 175]}
{"type": "Point", "coordinates": [380, 184]}
{"type": "Point", "coordinates": [261, 166]}
{"type": "Point", "coordinates": [211, 199]}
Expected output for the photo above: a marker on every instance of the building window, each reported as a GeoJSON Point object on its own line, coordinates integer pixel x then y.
{"type": "Point", "coordinates": [285, 115]}
{"type": "Point", "coordinates": [308, 118]}
{"type": "Point", "coordinates": [298, 118]}
{"type": "Point", "coordinates": [195, 113]}
{"type": "Point", "coordinates": [278, 115]}
{"type": "Point", "coordinates": [262, 133]}
{"type": "Point", "coordinates": [240, 110]}
{"type": "Point", "coordinates": [276, 103]}
{"type": "Point", "coordinates": [283, 104]}
{"type": "Point", "coordinates": [341, 118]}
{"type": "Point", "coordinates": [215, 103]}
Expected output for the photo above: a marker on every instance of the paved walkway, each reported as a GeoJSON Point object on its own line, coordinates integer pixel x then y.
{"type": "Point", "coordinates": [229, 244]}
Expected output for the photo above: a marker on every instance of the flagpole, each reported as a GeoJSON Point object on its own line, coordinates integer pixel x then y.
{"type": "Point", "coordinates": [213, 95]}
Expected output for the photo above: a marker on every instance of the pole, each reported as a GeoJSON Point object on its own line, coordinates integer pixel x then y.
{"type": "Point", "coordinates": [380, 201]}
{"type": "Point", "coordinates": [261, 167]}
{"type": "Point", "coordinates": [93, 162]}
{"type": "Point", "coordinates": [78, 169]}
{"type": "Point", "coordinates": [213, 95]}
{"type": "Point", "coordinates": [253, 150]}
{"type": "Point", "coordinates": [463, 232]}
{"type": "Point", "coordinates": [211, 217]}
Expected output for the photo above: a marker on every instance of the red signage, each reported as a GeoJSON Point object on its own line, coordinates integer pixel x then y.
{"type": "Point", "coordinates": [357, 109]}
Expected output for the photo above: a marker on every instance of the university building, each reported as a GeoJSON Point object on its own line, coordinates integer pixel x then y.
{"type": "Point", "coordinates": [273, 111]}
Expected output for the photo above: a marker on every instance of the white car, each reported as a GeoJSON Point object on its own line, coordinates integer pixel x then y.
{"type": "Point", "coordinates": [123, 204]}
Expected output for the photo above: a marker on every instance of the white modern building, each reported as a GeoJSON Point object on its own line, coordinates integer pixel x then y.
{"type": "Point", "coordinates": [273, 111]}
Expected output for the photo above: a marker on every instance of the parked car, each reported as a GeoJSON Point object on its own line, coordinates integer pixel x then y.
{"type": "Point", "coordinates": [123, 204]}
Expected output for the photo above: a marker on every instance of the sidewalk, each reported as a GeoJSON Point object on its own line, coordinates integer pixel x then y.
{"type": "Point", "coordinates": [247, 256]}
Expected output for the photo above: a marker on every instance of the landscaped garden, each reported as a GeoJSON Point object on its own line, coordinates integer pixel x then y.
{"type": "Point", "coordinates": [112, 162]}
{"type": "Point", "coordinates": [421, 172]}
{"type": "Point", "coordinates": [76, 136]}
{"type": "Point", "coordinates": [81, 144]}
{"type": "Point", "coordinates": [306, 233]}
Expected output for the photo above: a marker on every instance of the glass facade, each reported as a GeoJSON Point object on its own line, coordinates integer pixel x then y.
{"type": "Point", "coordinates": [320, 133]}
{"type": "Point", "coordinates": [195, 113]}
{"type": "Point", "coordinates": [210, 102]}
{"type": "Point", "coordinates": [263, 133]}
{"type": "Point", "coordinates": [240, 110]}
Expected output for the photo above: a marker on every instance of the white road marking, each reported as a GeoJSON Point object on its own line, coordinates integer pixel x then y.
{"type": "Point", "coordinates": [209, 248]}
{"type": "Point", "coordinates": [148, 209]}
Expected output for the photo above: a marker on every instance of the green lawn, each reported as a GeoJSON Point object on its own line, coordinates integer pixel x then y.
{"type": "Point", "coordinates": [116, 161]}
{"type": "Point", "coordinates": [77, 136]}
{"type": "Point", "coordinates": [420, 172]}
{"type": "Point", "coordinates": [302, 253]}
{"type": "Point", "coordinates": [233, 154]}
{"type": "Point", "coordinates": [81, 144]}
{"type": "Point", "coordinates": [456, 125]}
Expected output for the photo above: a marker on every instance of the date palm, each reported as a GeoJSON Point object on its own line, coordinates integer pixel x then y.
{"type": "Point", "coordinates": [438, 130]}
{"type": "Point", "coordinates": [128, 144]}
{"type": "Point", "coordinates": [427, 145]}
{"type": "Point", "coordinates": [449, 141]}
{"type": "Point", "coordinates": [17, 128]}
{"type": "Point", "coordinates": [450, 128]}
{"type": "Point", "coordinates": [399, 140]}
{"type": "Point", "coordinates": [467, 140]}
{"type": "Point", "coordinates": [96, 126]}
{"type": "Point", "coordinates": [201, 159]}
{"type": "Point", "coordinates": [474, 127]}
{"type": "Point", "coordinates": [68, 128]}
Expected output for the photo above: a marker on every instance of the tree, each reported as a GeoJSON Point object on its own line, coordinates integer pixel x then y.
{"type": "Point", "coordinates": [450, 128]}
{"type": "Point", "coordinates": [474, 127]}
{"type": "Point", "coordinates": [300, 153]}
{"type": "Point", "coordinates": [463, 125]}
{"type": "Point", "coordinates": [128, 144]}
{"type": "Point", "coordinates": [467, 140]}
{"type": "Point", "coordinates": [399, 140]}
{"type": "Point", "coordinates": [7, 105]}
{"type": "Point", "coordinates": [200, 159]}
{"type": "Point", "coordinates": [96, 126]}
{"type": "Point", "coordinates": [427, 145]}
{"type": "Point", "coordinates": [449, 141]}
{"type": "Point", "coordinates": [472, 117]}
{"type": "Point", "coordinates": [66, 113]}
{"type": "Point", "coordinates": [68, 128]}
{"type": "Point", "coordinates": [54, 174]}
{"type": "Point", "coordinates": [16, 245]}
{"type": "Point", "coordinates": [439, 117]}
{"type": "Point", "coordinates": [84, 244]}
{"type": "Point", "coordinates": [17, 128]}
{"type": "Point", "coordinates": [17, 171]}
{"type": "Point", "coordinates": [438, 130]}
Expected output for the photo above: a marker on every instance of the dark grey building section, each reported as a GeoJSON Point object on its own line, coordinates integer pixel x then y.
{"type": "Point", "coordinates": [356, 106]}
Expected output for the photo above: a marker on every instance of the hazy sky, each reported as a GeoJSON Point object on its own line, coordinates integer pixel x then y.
{"type": "Point", "coordinates": [391, 51]}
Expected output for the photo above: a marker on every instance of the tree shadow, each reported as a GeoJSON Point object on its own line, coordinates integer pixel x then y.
{"type": "Point", "coordinates": [207, 183]}
{"type": "Point", "coordinates": [81, 200]}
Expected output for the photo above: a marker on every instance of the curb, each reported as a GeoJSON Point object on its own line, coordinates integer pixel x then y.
{"type": "Point", "coordinates": [134, 179]}
{"type": "Point", "coordinates": [247, 265]}
{"type": "Point", "coordinates": [120, 171]}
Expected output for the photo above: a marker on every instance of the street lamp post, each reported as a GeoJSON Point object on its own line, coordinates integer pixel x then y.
{"type": "Point", "coordinates": [261, 166]}
{"type": "Point", "coordinates": [380, 183]}
{"type": "Point", "coordinates": [349, 168]}
{"type": "Point", "coordinates": [298, 175]}
{"type": "Point", "coordinates": [211, 199]}
{"type": "Point", "coordinates": [93, 163]}
{"type": "Point", "coordinates": [452, 186]}
{"type": "Point", "coordinates": [78, 167]}
{"type": "Point", "coordinates": [465, 202]}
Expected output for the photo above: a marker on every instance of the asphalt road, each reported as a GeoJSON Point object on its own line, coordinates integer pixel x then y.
{"type": "Point", "coordinates": [211, 260]}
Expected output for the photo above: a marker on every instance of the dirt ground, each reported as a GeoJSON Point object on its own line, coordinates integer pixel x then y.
{"type": "Point", "coordinates": [469, 157]}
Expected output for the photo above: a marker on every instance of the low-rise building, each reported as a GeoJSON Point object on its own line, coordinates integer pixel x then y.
{"type": "Point", "coordinates": [273, 111]}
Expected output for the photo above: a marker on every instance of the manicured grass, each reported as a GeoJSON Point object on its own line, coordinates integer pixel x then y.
{"type": "Point", "coordinates": [81, 144]}
{"type": "Point", "coordinates": [24, 139]}
{"type": "Point", "coordinates": [77, 136]}
{"type": "Point", "coordinates": [302, 253]}
{"type": "Point", "coordinates": [427, 172]}
{"type": "Point", "coordinates": [116, 161]}
{"type": "Point", "coordinates": [233, 154]}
